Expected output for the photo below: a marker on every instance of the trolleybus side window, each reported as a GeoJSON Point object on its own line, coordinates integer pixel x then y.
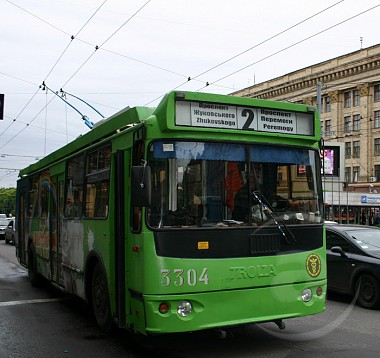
{"type": "Point", "coordinates": [33, 197]}
{"type": "Point", "coordinates": [74, 186]}
{"type": "Point", "coordinates": [98, 182]}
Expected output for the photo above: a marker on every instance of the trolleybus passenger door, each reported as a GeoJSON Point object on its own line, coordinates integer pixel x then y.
{"type": "Point", "coordinates": [120, 166]}
{"type": "Point", "coordinates": [55, 247]}
{"type": "Point", "coordinates": [22, 218]}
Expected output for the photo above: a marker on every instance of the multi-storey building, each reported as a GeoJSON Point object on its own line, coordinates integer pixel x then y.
{"type": "Point", "coordinates": [347, 91]}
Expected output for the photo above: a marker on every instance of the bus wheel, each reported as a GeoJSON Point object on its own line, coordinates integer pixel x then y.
{"type": "Point", "coordinates": [100, 299]}
{"type": "Point", "coordinates": [33, 275]}
{"type": "Point", "coordinates": [369, 291]}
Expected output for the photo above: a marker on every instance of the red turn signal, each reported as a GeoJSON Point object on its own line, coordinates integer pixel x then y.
{"type": "Point", "coordinates": [164, 307]}
{"type": "Point", "coordinates": [135, 249]}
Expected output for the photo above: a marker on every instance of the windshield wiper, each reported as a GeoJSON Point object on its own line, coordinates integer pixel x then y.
{"type": "Point", "coordinates": [284, 230]}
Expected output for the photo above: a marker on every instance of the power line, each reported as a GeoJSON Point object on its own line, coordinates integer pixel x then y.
{"type": "Point", "coordinates": [249, 49]}
{"type": "Point", "coordinates": [73, 75]}
{"type": "Point", "coordinates": [37, 17]}
{"type": "Point", "coordinates": [72, 38]}
{"type": "Point", "coordinates": [39, 127]}
{"type": "Point", "coordinates": [45, 107]}
{"type": "Point", "coordinates": [268, 39]}
{"type": "Point", "coordinates": [23, 109]}
{"type": "Point", "coordinates": [104, 42]}
{"type": "Point", "coordinates": [292, 45]}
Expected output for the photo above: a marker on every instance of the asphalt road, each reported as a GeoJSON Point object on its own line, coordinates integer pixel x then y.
{"type": "Point", "coordinates": [41, 322]}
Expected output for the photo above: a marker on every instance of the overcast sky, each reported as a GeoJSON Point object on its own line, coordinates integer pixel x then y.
{"type": "Point", "coordinates": [147, 48]}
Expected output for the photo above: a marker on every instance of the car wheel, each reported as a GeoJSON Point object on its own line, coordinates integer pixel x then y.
{"type": "Point", "coordinates": [100, 299]}
{"type": "Point", "coordinates": [6, 241]}
{"type": "Point", "coordinates": [368, 291]}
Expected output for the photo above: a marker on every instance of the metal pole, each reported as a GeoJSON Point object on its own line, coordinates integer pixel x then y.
{"type": "Point", "coordinates": [340, 217]}
{"type": "Point", "coordinates": [348, 215]}
{"type": "Point", "coordinates": [332, 195]}
{"type": "Point", "coordinates": [319, 96]}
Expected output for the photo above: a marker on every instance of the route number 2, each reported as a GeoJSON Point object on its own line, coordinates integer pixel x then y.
{"type": "Point", "coordinates": [250, 116]}
{"type": "Point", "coordinates": [180, 277]}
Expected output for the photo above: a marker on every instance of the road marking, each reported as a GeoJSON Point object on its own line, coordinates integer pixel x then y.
{"type": "Point", "coordinates": [25, 302]}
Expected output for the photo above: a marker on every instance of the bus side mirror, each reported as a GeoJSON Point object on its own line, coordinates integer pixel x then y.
{"type": "Point", "coordinates": [140, 185]}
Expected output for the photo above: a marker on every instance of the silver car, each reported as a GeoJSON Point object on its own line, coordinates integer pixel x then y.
{"type": "Point", "coordinates": [3, 224]}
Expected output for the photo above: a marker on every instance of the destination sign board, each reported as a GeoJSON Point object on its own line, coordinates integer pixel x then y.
{"type": "Point", "coordinates": [226, 116]}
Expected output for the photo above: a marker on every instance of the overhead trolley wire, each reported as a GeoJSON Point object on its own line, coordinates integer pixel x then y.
{"type": "Point", "coordinates": [292, 45]}
{"type": "Point", "coordinates": [104, 42]}
{"type": "Point", "coordinates": [249, 49]}
{"type": "Point", "coordinates": [74, 37]}
{"type": "Point", "coordinates": [268, 39]}
{"type": "Point", "coordinates": [60, 57]}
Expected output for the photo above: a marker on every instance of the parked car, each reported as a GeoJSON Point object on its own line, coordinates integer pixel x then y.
{"type": "Point", "coordinates": [3, 224]}
{"type": "Point", "coordinates": [10, 232]}
{"type": "Point", "coordinates": [353, 262]}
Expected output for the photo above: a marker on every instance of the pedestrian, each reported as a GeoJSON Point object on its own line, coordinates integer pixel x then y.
{"type": "Point", "coordinates": [363, 219]}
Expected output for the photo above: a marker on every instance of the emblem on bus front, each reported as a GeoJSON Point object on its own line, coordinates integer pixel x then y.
{"type": "Point", "coordinates": [313, 265]}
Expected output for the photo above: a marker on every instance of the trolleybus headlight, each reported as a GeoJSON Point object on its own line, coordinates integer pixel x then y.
{"type": "Point", "coordinates": [184, 308]}
{"type": "Point", "coordinates": [306, 295]}
{"type": "Point", "coordinates": [164, 307]}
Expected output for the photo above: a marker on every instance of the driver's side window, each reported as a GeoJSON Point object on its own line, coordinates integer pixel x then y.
{"type": "Point", "coordinates": [333, 239]}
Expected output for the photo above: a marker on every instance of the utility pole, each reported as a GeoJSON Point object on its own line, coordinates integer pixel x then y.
{"type": "Point", "coordinates": [319, 107]}
{"type": "Point", "coordinates": [319, 96]}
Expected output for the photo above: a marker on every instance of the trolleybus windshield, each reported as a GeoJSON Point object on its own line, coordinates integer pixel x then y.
{"type": "Point", "coordinates": [224, 184]}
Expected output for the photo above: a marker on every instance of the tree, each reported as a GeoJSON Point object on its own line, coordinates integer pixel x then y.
{"type": "Point", "coordinates": [8, 201]}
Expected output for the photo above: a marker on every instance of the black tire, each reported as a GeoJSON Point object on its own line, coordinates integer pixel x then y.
{"type": "Point", "coordinates": [369, 291]}
{"type": "Point", "coordinates": [100, 299]}
{"type": "Point", "coordinates": [7, 241]}
{"type": "Point", "coordinates": [34, 277]}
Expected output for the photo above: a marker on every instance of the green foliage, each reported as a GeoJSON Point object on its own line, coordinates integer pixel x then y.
{"type": "Point", "coordinates": [8, 201]}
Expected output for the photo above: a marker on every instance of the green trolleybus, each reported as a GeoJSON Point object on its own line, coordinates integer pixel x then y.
{"type": "Point", "coordinates": [204, 212]}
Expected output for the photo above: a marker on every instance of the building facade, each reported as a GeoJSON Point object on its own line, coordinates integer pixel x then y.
{"type": "Point", "coordinates": [346, 90]}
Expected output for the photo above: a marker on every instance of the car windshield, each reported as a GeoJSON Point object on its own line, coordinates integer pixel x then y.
{"type": "Point", "coordinates": [224, 184]}
{"type": "Point", "coordinates": [368, 240]}
{"type": "Point", "coordinates": [3, 222]}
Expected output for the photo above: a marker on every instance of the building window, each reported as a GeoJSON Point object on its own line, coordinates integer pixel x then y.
{"type": "Point", "coordinates": [377, 146]}
{"type": "Point", "coordinates": [356, 98]}
{"type": "Point", "coordinates": [347, 150]}
{"type": "Point", "coordinates": [347, 124]}
{"type": "Point", "coordinates": [356, 173]}
{"type": "Point", "coordinates": [377, 92]}
{"type": "Point", "coordinates": [328, 127]}
{"type": "Point", "coordinates": [347, 99]}
{"type": "Point", "coordinates": [377, 172]}
{"type": "Point", "coordinates": [377, 119]}
{"type": "Point", "coordinates": [347, 174]}
{"type": "Point", "coordinates": [356, 149]}
{"type": "Point", "coordinates": [327, 106]}
{"type": "Point", "coordinates": [356, 122]}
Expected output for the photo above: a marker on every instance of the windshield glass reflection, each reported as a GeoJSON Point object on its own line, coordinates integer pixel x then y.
{"type": "Point", "coordinates": [217, 184]}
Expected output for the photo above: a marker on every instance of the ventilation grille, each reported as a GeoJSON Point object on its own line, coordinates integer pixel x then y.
{"type": "Point", "coordinates": [265, 244]}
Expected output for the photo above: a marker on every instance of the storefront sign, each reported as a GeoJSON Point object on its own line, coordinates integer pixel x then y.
{"type": "Point", "coordinates": [370, 199]}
